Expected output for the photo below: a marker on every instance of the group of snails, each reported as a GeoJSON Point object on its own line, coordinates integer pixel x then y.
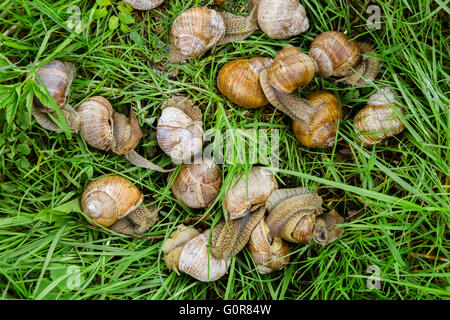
{"type": "Point", "coordinates": [294, 215]}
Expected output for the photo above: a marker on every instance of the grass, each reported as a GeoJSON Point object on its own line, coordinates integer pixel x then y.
{"type": "Point", "coordinates": [395, 195]}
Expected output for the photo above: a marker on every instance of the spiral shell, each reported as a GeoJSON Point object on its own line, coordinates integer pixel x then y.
{"type": "Point", "coordinates": [291, 69]}
{"type": "Point", "coordinates": [238, 80]}
{"type": "Point", "coordinates": [197, 185]}
{"type": "Point", "coordinates": [196, 30]}
{"type": "Point", "coordinates": [379, 117]}
{"type": "Point", "coordinates": [57, 77]}
{"type": "Point", "coordinates": [269, 253]}
{"type": "Point", "coordinates": [180, 129]}
{"type": "Point", "coordinates": [110, 198]}
{"type": "Point", "coordinates": [144, 4]}
{"type": "Point", "coordinates": [282, 19]}
{"type": "Point", "coordinates": [187, 251]}
{"type": "Point", "coordinates": [320, 129]}
{"type": "Point", "coordinates": [334, 54]}
{"type": "Point", "coordinates": [249, 192]}
{"type": "Point", "coordinates": [292, 213]}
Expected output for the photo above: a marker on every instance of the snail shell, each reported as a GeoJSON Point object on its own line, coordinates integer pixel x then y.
{"type": "Point", "coordinates": [187, 251]}
{"type": "Point", "coordinates": [292, 213]}
{"type": "Point", "coordinates": [269, 253]}
{"type": "Point", "coordinates": [144, 4]}
{"type": "Point", "coordinates": [197, 30]}
{"type": "Point", "coordinates": [57, 77]}
{"type": "Point", "coordinates": [282, 19]}
{"type": "Point", "coordinates": [180, 129]}
{"type": "Point", "coordinates": [197, 185]}
{"type": "Point", "coordinates": [110, 198]}
{"type": "Point", "coordinates": [229, 237]}
{"type": "Point", "coordinates": [249, 192]}
{"type": "Point", "coordinates": [291, 69]}
{"type": "Point", "coordinates": [334, 54]}
{"type": "Point", "coordinates": [238, 80]}
{"type": "Point", "coordinates": [320, 130]}
{"type": "Point", "coordinates": [380, 116]}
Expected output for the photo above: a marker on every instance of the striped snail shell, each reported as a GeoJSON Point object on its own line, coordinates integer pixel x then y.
{"type": "Point", "coordinates": [110, 198]}
{"type": "Point", "coordinates": [380, 118]}
{"type": "Point", "coordinates": [144, 4]}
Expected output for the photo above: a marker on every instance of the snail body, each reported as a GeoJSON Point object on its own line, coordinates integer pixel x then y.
{"type": "Point", "coordinates": [269, 253]}
{"type": "Point", "coordinates": [320, 130]}
{"type": "Point", "coordinates": [238, 80]}
{"type": "Point", "coordinates": [379, 117]}
{"type": "Point", "coordinates": [197, 185]}
{"type": "Point", "coordinates": [187, 251]}
{"type": "Point", "coordinates": [282, 19]}
{"type": "Point", "coordinates": [144, 4]}
{"type": "Point", "coordinates": [249, 192]}
{"type": "Point", "coordinates": [179, 130]}
{"type": "Point", "coordinates": [199, 29]}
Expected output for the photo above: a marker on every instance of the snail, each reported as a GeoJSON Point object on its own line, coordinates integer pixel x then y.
{"type": "Point", "coordinates": [179, 131]}
{"type": "Point", "coordinates": [115, 202]}
{"type": "Point", "coordinates": [144, 4]}
{"type": "Point", "coordinates": [197, 185]}
{"type": "Point", "coordinates": [238, 80]}
{"type": "Point", "coordinates": [186, 250]}
{"type": "Point", "coordinates": [199, 29]}
{"type": "Point", "coordinates": [320, 130]}
{"type": "Point", "coordinates": [336, 56]}
{"type": "Point", "coordinates": [107, 130]}
{"type": "Point", "coordinates": [291, 69]}
{"type": "Point", "coordinates": [57, 77]}
{"type": "Point", "coordinates": [229, 237]}
{"type": "Point", "coordinates": [249, 192]}
{"type": "Point", "coordinates": [296, 216]}
{"type": "Point", "coordinates": [282, 19]}
{"type": "Point", "coordinates": [379, 119]}
{"type": "Point", "coordinates": [269, 253]}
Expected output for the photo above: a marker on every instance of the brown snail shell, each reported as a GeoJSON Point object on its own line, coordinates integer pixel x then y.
{"type": "Point", "coordinates": [282, 19]}
{"type": "Point", "coordinates": [380, 116]}
{"type": "Point", "coordinates": [180, 129]}
{"type": "Point", "coordinates": [320, 130]}
{"type": "Point", "coordinates": [110, 198]}
{"type": "Point", "coordinates": [57, 77]}
{"type": "Point", "coordinates": [229, 237]}
{"type": "Point", "coordinates": [249, 192]}
{"type": "Point", "coordinates": [197, 185]}
{"type": "Point", "coordinates": [144, 4]}
{"type": "Point", "coordinates": [269, 253]}
{"type": "Point", "coordinates": [291, 69]}
{"type": "Point", "coordinates": [187, 251]}
{"type": "Point", "coordinates": [198, 29]}
{"type": "Point", "coordinates": [238, 80]}
{"type": "Point", "coordinates": [334, 54]}
{"type": "Point", "coordinates": [292, 214]}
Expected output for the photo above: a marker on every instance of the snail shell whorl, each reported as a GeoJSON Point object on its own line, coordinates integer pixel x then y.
{"type": "Point", "coordinates": [57, 77]}
{"type": "Point", "coordinates": [380, 117]}
{"type": "Point", "coordinates": [282, 19]}
{"type": "Point", "coordinates": [110, 198]}
{"type": "Point", "coordinates": [196, 30]}
{"type": "Point", "coordinates": [97, 122]}
{"type": "Point", "coordinates": [250, 192]}
{"type": "Point", "coordinates": [334, 54]}
{"type": "Point", "coordinates": [291, 69]}
{"type": "Point", "coordinates": [322, 127]}
{"type": "Point", "coordinates": [197, 185]}
{"type": "Point", "coordinates": [144, 4]}
{"type": "Point", "coordinates": [238, 80]}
